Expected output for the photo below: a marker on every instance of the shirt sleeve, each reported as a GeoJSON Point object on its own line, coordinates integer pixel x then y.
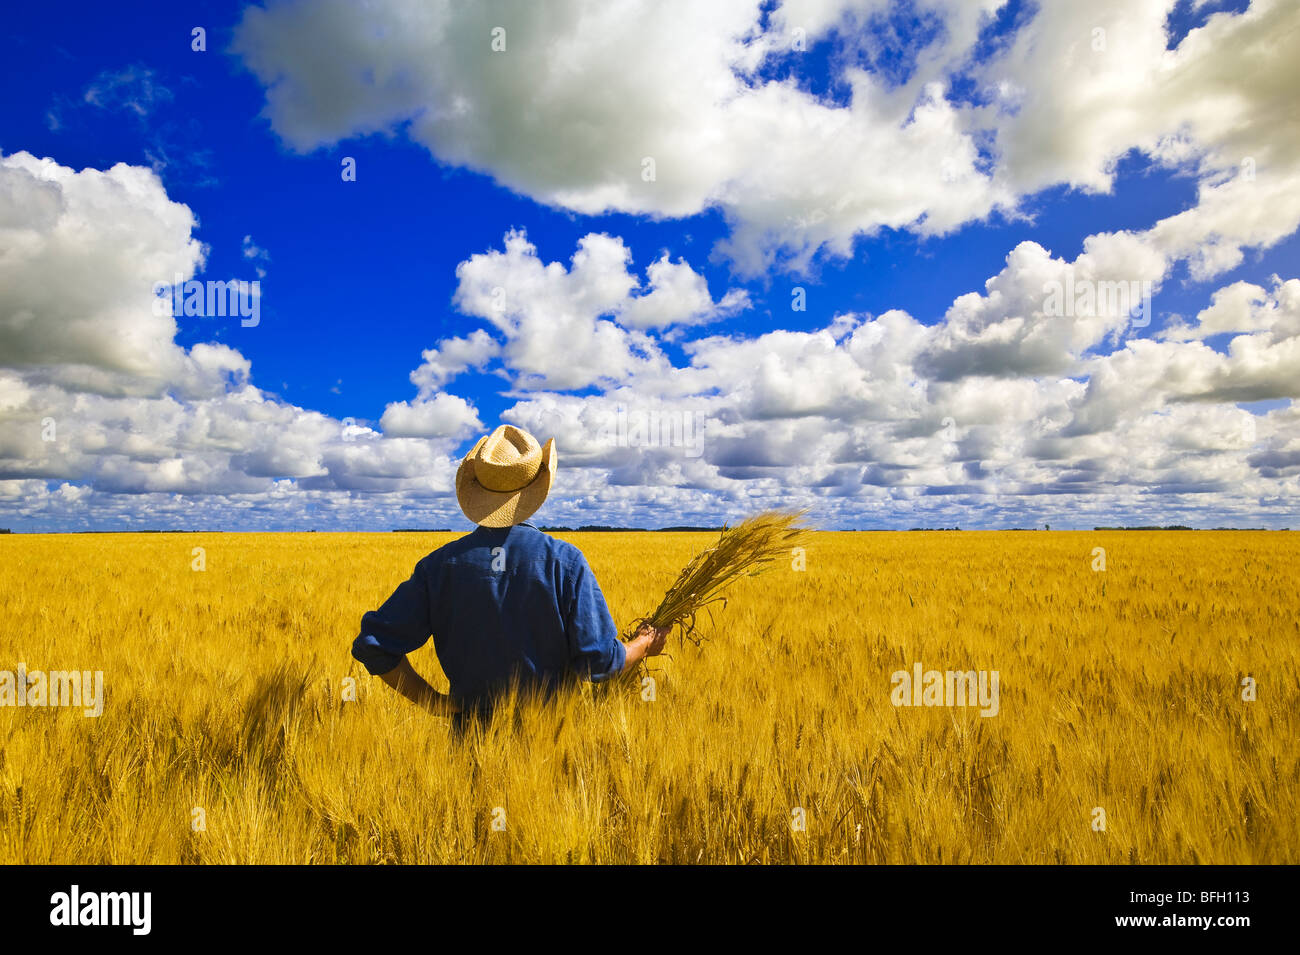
{"type": "Point", "coordinates": [596, 651]}
{"type": "Point", "coordinates": [400, 626]}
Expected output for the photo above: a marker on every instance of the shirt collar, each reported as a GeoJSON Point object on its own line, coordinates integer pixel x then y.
{"type": "Point", "coordinates": [520, 524]}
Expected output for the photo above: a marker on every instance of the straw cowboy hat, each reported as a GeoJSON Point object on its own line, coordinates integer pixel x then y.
{"type": "Point", "coordinates": [505, 478]}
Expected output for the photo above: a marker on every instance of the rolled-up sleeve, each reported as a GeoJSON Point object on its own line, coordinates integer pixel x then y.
{"type": "Point", "coordinates": [398, 627]}
{"type": "Point", "coordinates": [596, 651]}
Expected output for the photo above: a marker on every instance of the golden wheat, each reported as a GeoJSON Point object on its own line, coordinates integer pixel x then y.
{"type": "Point", "coordinates": [746, 550]}
{"type": "Point", "coordinates": [228, 735]}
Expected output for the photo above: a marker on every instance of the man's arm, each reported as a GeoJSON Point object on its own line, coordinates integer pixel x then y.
{"type": "Point", "coordinates": [397, 628]}
{"type": "Point", "coordinates": [415, 688]}
{"type": "Point", "coordinates": [596, 650]}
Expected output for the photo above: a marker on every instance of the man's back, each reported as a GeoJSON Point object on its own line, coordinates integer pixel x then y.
{"type": "Point", "coordinates": [504, 601]}
{"type": "Point", "coordinates": [498, 602]}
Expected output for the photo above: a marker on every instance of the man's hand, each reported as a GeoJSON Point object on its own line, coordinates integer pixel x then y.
{"type": "Point", "coordinates": [656, 639]}
{"type": "Point", "coordinates": [415, 688]}
{"type": "Point", "coordinates": [648, 642]}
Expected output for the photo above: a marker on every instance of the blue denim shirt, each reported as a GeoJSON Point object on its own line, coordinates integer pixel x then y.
{"type": "Point", "coordinates": [497, 602]}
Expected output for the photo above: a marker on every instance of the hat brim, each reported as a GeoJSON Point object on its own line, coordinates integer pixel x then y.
{"type": "Point", "coordinates": [503, 508]}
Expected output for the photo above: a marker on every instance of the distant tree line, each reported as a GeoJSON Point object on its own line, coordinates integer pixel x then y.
{"type": "Point", "coordinates": [585, 528]}
{"type": "Point", "coordinates": [1152, 527]}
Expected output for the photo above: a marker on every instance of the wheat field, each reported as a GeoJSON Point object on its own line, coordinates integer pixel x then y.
{"type": "Point", "coordinates": [228, 734]}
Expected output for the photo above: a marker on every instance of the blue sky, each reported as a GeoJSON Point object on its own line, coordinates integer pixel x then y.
{"type": "Point", "coordinates": [361, 277]}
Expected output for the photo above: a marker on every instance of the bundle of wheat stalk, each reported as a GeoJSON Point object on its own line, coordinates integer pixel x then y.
{"type": "Point", "coordinates": [745, 550]}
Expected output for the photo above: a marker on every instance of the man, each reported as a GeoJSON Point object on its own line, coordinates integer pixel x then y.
{"type": "Point", "coordinates": [505, 601]}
